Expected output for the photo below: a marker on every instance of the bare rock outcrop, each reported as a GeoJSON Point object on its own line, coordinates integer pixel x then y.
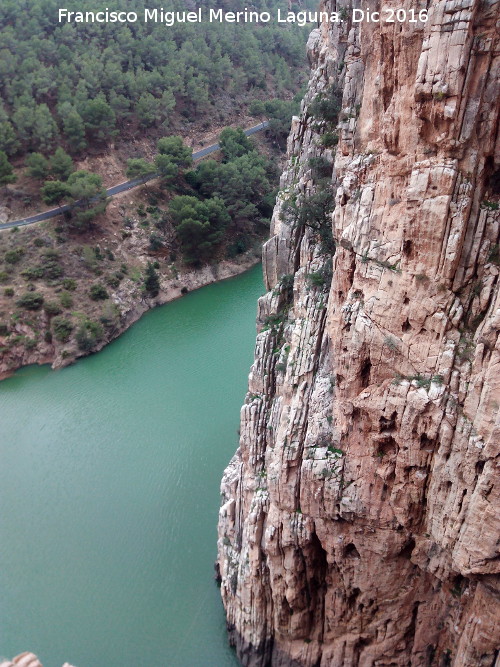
{"type": "Point", "coordinates": [360, 515]}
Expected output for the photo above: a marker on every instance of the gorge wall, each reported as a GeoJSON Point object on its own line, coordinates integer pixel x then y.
{"type": "Point", "coordinates": [360, 515]}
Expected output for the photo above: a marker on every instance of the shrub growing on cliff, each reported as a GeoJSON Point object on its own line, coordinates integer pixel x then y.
{"type": "Point", "coordinates": [279, 113]}
{"type": "Point", "coordinates": [320, 167]}
{"type": "Point", "coordinates": [315, 212]}
{"type": "Point", "coordinates": [494, 254]}
{"type": "Point", "coordinates": [329, 139]}
{"type": "Point", "coordinates": [323, 277]}
{"type": "Point", "coordinates": [327, 105]}
{"type": "Point", "coordinates": [62, 328]}
{"type": "Point", "coordinates": [151, 281]}
{"type": "Point", "coordinates": [89, 334]}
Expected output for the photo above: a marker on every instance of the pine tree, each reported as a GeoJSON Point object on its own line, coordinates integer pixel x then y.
{"type": "Point", "coordinates": [53, 192]}
{"type": "Point", "coordinates": [61, 164]}
{"type": "Point", "coordinates": [151, 281]}
{"type": "Point", "coordinates": [44, 128]}
{"type": "Point", "coordinates": [139, 168]}
{"type": "Point", "coordinates": [6, 172]}
{"type": "Point", "coordinates": [38, 166]}
{"type": "Point", "coordinates": [74, 131]}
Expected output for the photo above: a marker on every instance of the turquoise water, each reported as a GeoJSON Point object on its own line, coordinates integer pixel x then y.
{"type": "Point", "coordinates": [110, 489]}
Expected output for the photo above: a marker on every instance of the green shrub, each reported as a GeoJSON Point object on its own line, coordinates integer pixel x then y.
{"type": "Point", "coordinates": [32, 273]}
{"type": "Point", "coordinates": [155, 242]}
{"type": "Point", "coordinates": [329, 139]}
{"type": "Point", "coordinates": [30, 343]}
{"type": "Point", "coordinates": [52, 269]}
{"type": "Point", "coordinates": [8, 291]}
{"type": "Point", "coordinates": [110, 315]}
{"type": "Point", "coordinates": [62, 328]}
{"type": "Point", "coordinates": [314, 212]}
{"type": "Point", "coordinates": [494, 254]}
{"type": "Point", "coordinates": [14, 256]}
{"type": "Point", "coordinates": [320, 167]}
{"type": "Point", "coordinates": [52, 308]}
{"type": "Point", "coordinates": [89, 257]}
{"type": "Point", "coordinates": [98, 292]}
{"type": "Point", "coordinates": [4, 276]}
{"type": "Point", "coordinates": [69, 284]}
{"type": "Point", "coordinates": [391, 343]}
{"type": "Point", "coordinates": [323, 277]}
{"type": "Point", "coordinates": [151, 280]}
{"type": "Point", "coordinates": [66, 299]}
{"type": "Point", "coordinates": [31, 301]}
{"type": "Point", "coordinates": [236, 248]}
{"type": "Point", "coordinates": [273, 321]}
{"type": "Point", "coordinates": [326, 106]}
{"type": "Point", "coordinates": [112, 281]}
{"type": "Point", "coordinates": [88, 335]}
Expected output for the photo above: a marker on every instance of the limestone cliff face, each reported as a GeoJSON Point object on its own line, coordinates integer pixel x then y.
{"type": "Point", "coordinates": [360, 515]}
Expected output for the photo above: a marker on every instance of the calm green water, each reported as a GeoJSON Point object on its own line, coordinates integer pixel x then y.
{"type": "Point", "coordinates": [109, 491]}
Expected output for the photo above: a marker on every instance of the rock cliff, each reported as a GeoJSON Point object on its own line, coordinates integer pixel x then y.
{"type": "Point", "coordinates": [360, 515]}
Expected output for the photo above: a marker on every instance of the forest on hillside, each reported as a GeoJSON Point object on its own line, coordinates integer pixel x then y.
{"type": "Point", "coordinates": [87, 84]}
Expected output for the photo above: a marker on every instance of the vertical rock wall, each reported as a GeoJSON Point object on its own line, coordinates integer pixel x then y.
{"type": "Point", "coordinates": [360, 515]}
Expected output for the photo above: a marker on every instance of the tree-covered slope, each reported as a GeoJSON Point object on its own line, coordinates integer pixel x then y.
{"type": "Point", "coordinates": [86, 83]}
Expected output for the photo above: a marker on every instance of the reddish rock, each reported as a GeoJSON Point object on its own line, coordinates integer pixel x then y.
{"type": "Point", "coordinates": [360, 515]}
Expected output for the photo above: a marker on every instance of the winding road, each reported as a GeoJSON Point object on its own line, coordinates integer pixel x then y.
{"type": "Point", "coordinates": [121, 187]}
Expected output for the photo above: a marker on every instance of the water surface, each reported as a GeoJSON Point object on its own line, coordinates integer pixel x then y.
{"type": "Point", "coordinates": [110, 489]}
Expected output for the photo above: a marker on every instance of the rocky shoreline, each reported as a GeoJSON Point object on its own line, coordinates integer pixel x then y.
{"type": "Point", "coordinates": [131, 309]}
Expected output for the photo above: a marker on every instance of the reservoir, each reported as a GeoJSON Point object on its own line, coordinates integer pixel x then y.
{"type": "Point", "coordinates": [110, 489]}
